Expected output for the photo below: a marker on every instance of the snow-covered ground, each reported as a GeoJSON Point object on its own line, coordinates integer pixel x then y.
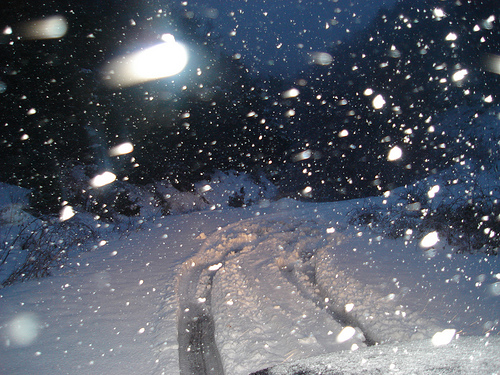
{"type": "Point", "coordinates": [276, 282]}
{"type": "Point", "coordinates": [213, 289]}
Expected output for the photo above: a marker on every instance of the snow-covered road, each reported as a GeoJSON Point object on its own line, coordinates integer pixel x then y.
{"type": "Point", "coordinates": [273, 289]}
{"type": "Point", "coordinates": [242, 290]}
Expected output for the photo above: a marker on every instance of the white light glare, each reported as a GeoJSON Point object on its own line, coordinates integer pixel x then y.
{"type": "Point", "coordinates": [439, 13]}
{"type": "Point", "coordinates": [205, 188]}
{"type": "Point", "coordinates": [378, 102]}
{"type": "Point", "coordinates": [429, 240]}
{"type": "Point", "coordinates": [304, 155]}
{"type": "Point", "coordinates": [23, 329]}
{"type": "Point", "coordinates": [292, 93]}
{"type": "Point", "coordinates": [343, 133]}
{"type": "Point", "coordinates": [215, 267]}
{"type": "Point", "coordinates": [492, 63]}
{"type": "Point", "coordinates": [433, 191]}
{"type": "Point", "coordinates": [344, 335]}
{"type": "Point", "coordinates": [321, 58]}
{"type": "Point", "coordinates": [443, 338]}
{"type": "Point", "coordinates": [306, 191]}
{"type": "Point", "coordinates": [395, 153]}
{"type": "Point", "coordinates": [451, 37]}
{"type": "Point", "coordinates": [52, 27]}
{"type": "Point", "coordinates": [102, 179]}
{"type": "Point", "coordinates": [162, 60]}
{"type": "Point", "coordinates": [494, 289]}
{"type": "Point", "coordinates": [121, 149]}
{"type": "Point", "coordinates": [459, 75]}
{"type": "Point", "coordinates": [66, 213]}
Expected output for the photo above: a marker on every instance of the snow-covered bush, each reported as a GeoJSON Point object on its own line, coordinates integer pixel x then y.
{"type": "Point", "coordinates": [460, 203]}
{"type": "Point", "coordinates": [32, 247]}
{"type": "Point", "coordinates": [236, 189]}
{"type": "Point", "coordinates": [40, 246]}
{"type": "Point", "coordinates": [470, 224]}
{"type": "Point", "coordinates": [107, 202]}
{"type": "Point", "coordinates": [172, 201]}
{"type": "Point", "coordinates": [13, 205]}
{"type": "Point", "coordinates": [14, 214]}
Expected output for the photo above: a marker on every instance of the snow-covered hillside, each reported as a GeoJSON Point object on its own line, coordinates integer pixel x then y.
{"type": "Point", "coordinates": [178, 210]}
{"type": "Point", "coordinates": [231, 281]}
{"type": "Point", "coordinates": [242, 289]}
{"type": "Point", "coordinates": [226, 280]}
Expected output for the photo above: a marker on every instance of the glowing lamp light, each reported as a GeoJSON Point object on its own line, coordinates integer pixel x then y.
{"type": "Point", "coordinates": [160, 61]}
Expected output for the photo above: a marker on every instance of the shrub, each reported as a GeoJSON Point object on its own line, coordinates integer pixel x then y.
{"type": "Point", "coordinates": [469, 224]}
{"type": "Point", "coordinates": [237, 199]}
{"type": "Point", "coordinates": [43, 245]}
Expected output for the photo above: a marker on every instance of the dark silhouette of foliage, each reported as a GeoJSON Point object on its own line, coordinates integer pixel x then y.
{"type": "Point", "coordinates": [59, 109]}
{"type": "Point", "coordinates": [409, 56]}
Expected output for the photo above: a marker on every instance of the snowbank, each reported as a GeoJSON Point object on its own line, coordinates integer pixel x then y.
{"type": "Point", "coordinates": [471, 355]}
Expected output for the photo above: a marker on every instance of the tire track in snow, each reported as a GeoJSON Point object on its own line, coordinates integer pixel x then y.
{"type": "Point", "coordinates": [276, 286]}
{"type": "Point", "coordinates": [198, 352]}
{"type": "Point", "coordinates": [274, 238]}
{"type": "Point", "coordinates": [315, 294]}
{"type": "Point", "coordinates": [261, 313]}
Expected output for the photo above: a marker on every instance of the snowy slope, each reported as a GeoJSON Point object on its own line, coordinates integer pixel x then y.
{"type": "Point", "coordinates": [465, 356]}
{"type": "Point", "coordinates": [103, 317]}
{"type": "Point", "coordinates": [267, 285]}
{"type": "Point", "coordinates": [212, 289]}
{"type": "Point", "coordinates": [291, 285]}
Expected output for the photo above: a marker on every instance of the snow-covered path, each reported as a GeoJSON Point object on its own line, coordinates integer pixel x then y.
{"type": "Point", "coordinates": [277, 294]}
{"type": "Point", "coordinates": [114, 313]}
{"type": "Point", "coordinates": [241, 289]}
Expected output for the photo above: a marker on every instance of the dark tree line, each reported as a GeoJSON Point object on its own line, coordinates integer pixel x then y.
{"type": "Point", "coordinates": [58, 110]}
{"type": "Point", "coordinates": [408, 55]}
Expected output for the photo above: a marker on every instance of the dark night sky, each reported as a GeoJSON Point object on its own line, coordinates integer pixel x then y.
{"type": "Point", "coordinates": [277, 36]}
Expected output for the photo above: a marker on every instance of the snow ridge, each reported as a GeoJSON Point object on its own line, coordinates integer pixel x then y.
{"type": "Point", "coordinates": [379, 314]}
{"type": "Point", "coordinates": [469, 355]}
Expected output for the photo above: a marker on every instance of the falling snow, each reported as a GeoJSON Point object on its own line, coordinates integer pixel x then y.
{"type": "Point", "coordinates": [238, 187]}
